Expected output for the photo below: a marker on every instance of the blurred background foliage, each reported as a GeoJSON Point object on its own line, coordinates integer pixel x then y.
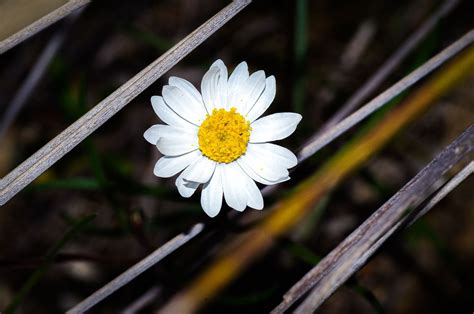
{"type": "Point", "coordinates": [427, 268]}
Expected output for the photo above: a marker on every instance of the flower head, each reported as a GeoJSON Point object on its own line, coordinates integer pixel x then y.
{"type": "Point", "coordinates": [216, 139]}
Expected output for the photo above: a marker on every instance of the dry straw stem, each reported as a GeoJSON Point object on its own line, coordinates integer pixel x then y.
{"type": "Point", "coordinates": [36, 26]}
{"type": "Point", "coordinates": [136, 270]}
{"type": "Point", "coordinates": [446, 189]}
{"type": "Point", "coordinates": [291, 210]}
{"type": "Point", "coordinates": [143, 301]}
{"type": "Point", "coordinates": [44, 158]}
{"type": "Point", "coordinates": [353, 252]}
{"type": "Point", "coordinates": [319, 141]}
{"type": "Point", "coordinates": [392, 63]}
{"type": "Point", "coordinates": [36, 74]}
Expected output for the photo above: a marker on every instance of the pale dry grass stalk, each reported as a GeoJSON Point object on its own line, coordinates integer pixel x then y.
{"type": "Point", "coordinates": [329, 135]}
{"type": "Point", "coordinates": [391, 64]}
{"type": "Point", "coordinates": [44, 158]}
{"type": "Point", "coordinates": [321, 140]}
{"type": "Point", "coordinates": [35, 74]}
{"type": "Point", "coordinates": [134, 271]}
{"type": "Point", "coordinates": [446, 189]}
{"type": "Point", "coordinates": [143, 301]}
{"type": "Point", "coordinates": [358, 45]}
{"type": "Point", "coordinates": [41, 24]}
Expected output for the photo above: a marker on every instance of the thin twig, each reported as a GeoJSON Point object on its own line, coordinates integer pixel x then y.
{"type": "Point", "coordinates": [446, 189]}
{"type": "Point", "coordinates": [36, 73]}
{"type": "Point", "coordinates": [142, 301]}
{"type": "Point", "coordinates": [351, 253]}
{"type": "Point", "coordinates": [136, 270]}
{"type": "Point", "coordinates": [390, 65]}
{"type": "Point", "coordinates": [36, 164]}
{"type": "Point", "coordinates": [357, 45]}
{"type": "Point", "coordinates": [350, 56]}
{"type": "Point", "coordinates": [41, 24]}
{"type": "Point", "coordinates": [315, 145]}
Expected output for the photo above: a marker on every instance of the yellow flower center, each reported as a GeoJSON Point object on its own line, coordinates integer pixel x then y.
{"type": "Point", "coordinates": [224, 135]}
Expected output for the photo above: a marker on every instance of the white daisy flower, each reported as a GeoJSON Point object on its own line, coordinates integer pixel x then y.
{"type": "Point", "coordinates": [217, 139]}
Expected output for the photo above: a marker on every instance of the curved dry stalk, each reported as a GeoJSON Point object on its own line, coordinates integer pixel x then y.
{"type": "Point", "coordinates": [352, 253]}
{"type": "Point", "coordinates": [44, 158]}
{"type": "Point", "coordinates": [328, 136]}
{"type": "Point", "coordinates": [136, 270]}
{"type": "Point", "coordinates": [41, 24]}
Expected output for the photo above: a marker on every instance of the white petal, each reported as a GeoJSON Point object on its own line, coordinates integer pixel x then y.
{"type": "Point", "coordinates": [254, 196]}
{"type": "Point", "coordinates": [166, 114]}
{"type": "Point", "coordinates": [274, 127]}
{"type": "Point", "coordinates": [263, 166]}
{"type": "Point", "coordinates": [168, 166]}
{"type": "Point", "coordinates": [200, 170]}
{"type": "Point", "coordinates": [250, 93]}
{"type": "Point", "coordinates": [239, 76]}
{"type": "Point", "coordinates": [184, 105]}
{"type": "Point", "coordinates": [185, 188]}
{"type": "Point", "coordinates": [237, 81]}
{"type": "Point", "coordinates": [211, 196]}
{"type": "Point", "coordinates": [153, 134]}
{"type": "Point", "coordinates": [214, 86]}
{"type": "Point", "coordinates": [274, 154]}
{"type": "Point", "coordinates": [233, 183]}
{"type": "Point", "coordinates": [187, 87]}
{"type": "Point", "coordinates": [255, 176]}
{"type": "Point", "coordinates": [264, 101]}
{"type": "Point", "coordinates": [178, 144]}
{"type": "Point", "coordinates": [209, 84]}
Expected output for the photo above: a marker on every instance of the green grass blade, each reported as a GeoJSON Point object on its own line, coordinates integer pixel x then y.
{"type": "Point", "coordinates": [48, 260]}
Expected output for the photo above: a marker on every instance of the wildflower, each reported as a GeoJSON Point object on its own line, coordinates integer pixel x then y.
{"type": "Point", "coordinates": [216, 139]}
